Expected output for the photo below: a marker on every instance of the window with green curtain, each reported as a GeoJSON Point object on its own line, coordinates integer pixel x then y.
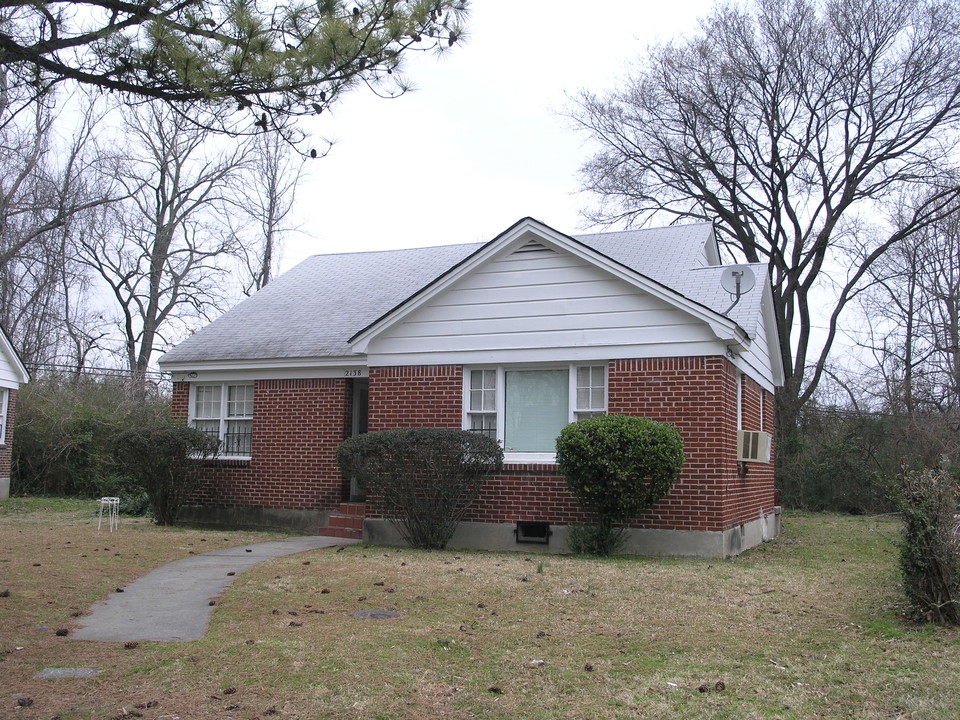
{"type": "Point", "coordinates": [537, 409]}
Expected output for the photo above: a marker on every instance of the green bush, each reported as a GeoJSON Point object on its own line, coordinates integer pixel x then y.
{"type": "Point", "coordinates": [616, 466]}
{"type": "Point", "coordinates": [930, 548]}
{"type": "Point", "coordinates": [839, 461]}
{"type": "Point", "coordinates": [164, 459]}
{"type": "Point", "coordinates": [65, 431]}
{"type": "Point", "coordinates": [846, 461]}
{"type": "Point", "coordinates": [424, 477]}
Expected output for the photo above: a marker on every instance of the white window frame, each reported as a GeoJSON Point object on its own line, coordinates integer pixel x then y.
{"type": "Point", "coordinates": [574, 412]}
{"type": "Point", "coordinates": [224, 417]}
{"type": "Point", "coordinates": [4, 405]}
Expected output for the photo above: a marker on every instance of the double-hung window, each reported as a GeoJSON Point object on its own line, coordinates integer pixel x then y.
{"type": "Point", "coordinates": [525, 408]}
{"type": "Point", "coordinates": [225, 412]}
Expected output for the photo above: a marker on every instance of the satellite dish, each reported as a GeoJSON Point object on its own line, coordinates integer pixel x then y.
{"type": "Point", "coordinates": [737, 280]}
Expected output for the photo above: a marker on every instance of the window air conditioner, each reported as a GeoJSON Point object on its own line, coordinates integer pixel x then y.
{"type": "Point", "coordinates": [753, 446]}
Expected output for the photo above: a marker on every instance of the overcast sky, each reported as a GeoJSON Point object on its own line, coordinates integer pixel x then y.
{"type": "Point", "coordinates": [482, 142]}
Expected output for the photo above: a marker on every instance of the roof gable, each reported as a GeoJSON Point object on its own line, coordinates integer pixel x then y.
{"type": "Point", "coordinates": [529, 236]}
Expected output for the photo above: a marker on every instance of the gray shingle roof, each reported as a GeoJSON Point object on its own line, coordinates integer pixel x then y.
{"type": "Point", "coordinates": [313, 310]}
{"type": "Point", "coordinates": [674, 257]}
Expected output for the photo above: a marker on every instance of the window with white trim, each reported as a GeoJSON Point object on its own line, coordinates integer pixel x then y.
{"type": "Point", "coordinates": [224, 411]}
{"type": "Point", "coordinates": [525, 408]}
{"type": "Point", "coordinates": [591, 391]}
{"type": "Point", "coordinates": [482, 402]}
{"type": "Point", "coordinates": [4, 399]}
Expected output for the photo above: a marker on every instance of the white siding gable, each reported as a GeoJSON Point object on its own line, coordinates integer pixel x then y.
{"type": "Point", "coordinates": [536, 304]}
{"type": "Point", "coordinates": [759, 359]}
{"type": "Point", "coordinates": [8, 377]}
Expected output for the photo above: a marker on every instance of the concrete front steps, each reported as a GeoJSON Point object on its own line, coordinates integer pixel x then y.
{"type": "Point", "coordinates": [346, 522]}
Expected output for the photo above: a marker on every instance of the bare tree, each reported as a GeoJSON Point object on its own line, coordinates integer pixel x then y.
{"type": "Point", "coordinates": [265, 195]}
{"type": "Point", "coordinates": [913, 309]}
{"type": "Point", "coordinates": [163, 252]}
{"type": "Point", "coordinates": [792, 123]}
{"type": "Point", "coordinates": [27, 210]}
{"type": "Point", "coordinates": [47, 188]}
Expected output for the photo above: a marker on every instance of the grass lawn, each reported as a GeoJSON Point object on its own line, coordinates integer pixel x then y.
{"type": "Point", "coordinates": [804, 627]}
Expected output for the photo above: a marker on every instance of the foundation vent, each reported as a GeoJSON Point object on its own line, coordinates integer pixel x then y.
{"type": "Point", "coordinates": [533, 532]}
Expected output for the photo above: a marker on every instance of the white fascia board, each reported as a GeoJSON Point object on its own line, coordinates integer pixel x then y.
{"type": "Point", "coordinates": [10, 352]}
{"type": "Point", "coordinates": [267, 369]}
{"type": "Point", "coordinates": [770, 376]}
{"type": "Point", "coordinates": [725, 329]}
{"type": "Point", "coordinates": [771, 325]}
{"type": "Point", "coordinates": [742, 363]}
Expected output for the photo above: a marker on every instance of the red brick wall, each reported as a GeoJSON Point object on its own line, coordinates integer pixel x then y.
{"type": "Point", "coordinates": [297, 427]}
{"type": "Point", "coordinates": [753, 494]}
{"type": "Point", "coordinates": [427, 396]}
{"type": "Point", "coordinates": [697, 395]}
{"type": "Point", "coordinates": [6, 449]}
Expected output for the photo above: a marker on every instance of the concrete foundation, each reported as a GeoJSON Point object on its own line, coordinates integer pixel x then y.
{"type": "Point", "coordinates": [655, 543]}
{"type": "Point", "coordinates": [301, 522]}
{"type": "Point", "coordinates": [4, 488]}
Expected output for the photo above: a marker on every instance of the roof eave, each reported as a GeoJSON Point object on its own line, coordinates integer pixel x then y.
{"type": "Point", "coordinates": [6, 344]}
{"type": "Point", "coordinates": [181, 366]}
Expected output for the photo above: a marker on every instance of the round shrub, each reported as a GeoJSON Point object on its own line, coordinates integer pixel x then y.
{"type": "Point", "coordinates": [425, 478]}
{"type": "Point", "coordinates": [617, 465]}
{"type": "Point", "coordinates": [163, 459]}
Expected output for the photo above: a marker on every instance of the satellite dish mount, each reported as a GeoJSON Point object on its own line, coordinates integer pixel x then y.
{"type": "Point", "coordinates": [737, 280]}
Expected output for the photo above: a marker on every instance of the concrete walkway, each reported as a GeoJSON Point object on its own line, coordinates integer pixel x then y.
{"type": "Point", "coordinates": [172, 603]}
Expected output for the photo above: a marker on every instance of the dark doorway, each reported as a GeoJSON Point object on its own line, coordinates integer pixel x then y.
{"type": "Point", "coordinates": [361, 399]}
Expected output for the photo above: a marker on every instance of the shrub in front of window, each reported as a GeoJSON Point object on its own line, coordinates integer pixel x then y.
{"type": "Point", "coordinates": [930, 549]}
{"type": "Point", "coordinates": [163, 459]}
{"type": "Point", "coordinates": [424, 477]}
{"type": "Point", "coordinates": [616, 466]}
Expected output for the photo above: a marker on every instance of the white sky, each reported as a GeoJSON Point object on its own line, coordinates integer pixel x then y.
{"type": "Point", "coordinates": [481, 143]}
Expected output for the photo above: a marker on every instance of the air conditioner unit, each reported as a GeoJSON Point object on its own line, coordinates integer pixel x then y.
{"type": "Point", "coordinates": [753, 446]}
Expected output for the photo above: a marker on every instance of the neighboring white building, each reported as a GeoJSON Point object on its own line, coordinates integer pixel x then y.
{"type": "Point", "coordinates": [13, 374]}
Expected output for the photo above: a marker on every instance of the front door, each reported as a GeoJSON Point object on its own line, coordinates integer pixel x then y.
{"type": "Point", "coordinates": [361, 397]}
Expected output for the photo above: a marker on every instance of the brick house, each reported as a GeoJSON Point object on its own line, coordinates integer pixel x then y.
{"type": "Point", "coordinates": [515, 338]}
{"type": "Point", "coordinates": [13, 374]}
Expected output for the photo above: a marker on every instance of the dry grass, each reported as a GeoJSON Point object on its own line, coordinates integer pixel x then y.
{"type": "Point", "coordinates": [805, 627]}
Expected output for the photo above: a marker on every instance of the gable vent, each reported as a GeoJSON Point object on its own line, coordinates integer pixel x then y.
{"type": "Point", "coordinates": [532, 247]}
